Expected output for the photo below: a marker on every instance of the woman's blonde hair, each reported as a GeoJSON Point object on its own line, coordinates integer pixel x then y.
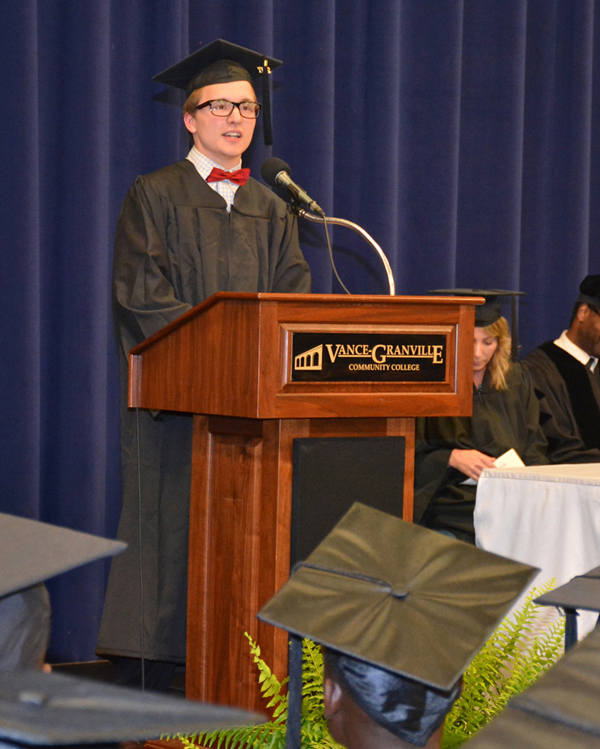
{"type": "Point", "coordinates": [500, 361]}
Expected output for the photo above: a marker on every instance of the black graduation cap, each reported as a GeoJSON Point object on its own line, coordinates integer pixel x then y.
{"type": "Point", "coordinates": [39, 709]}
{"type": "Point", "coordinates": [400, 597]}
{"type": "Point", "coordinates": [560, 710]}
{"type": "Point", "coordinates": [32, 551]}
{"type": "Point", "coordinates": [223, 62]}
{"type": "Point", "coordinates": [582, 592]}
{"type": "Point", "coordinates": [589, 290]}
{"type": "Point", "coordinates": [491, 311]}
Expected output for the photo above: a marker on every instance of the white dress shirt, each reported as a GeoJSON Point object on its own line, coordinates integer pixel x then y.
{"type": "Point", "coordinates": [204, 165]}
{"type": "Point", "coordinates": [566, 344]}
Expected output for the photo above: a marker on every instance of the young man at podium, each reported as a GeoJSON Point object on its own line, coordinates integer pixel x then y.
{"type": "Point", "coordinates": [191, 229]}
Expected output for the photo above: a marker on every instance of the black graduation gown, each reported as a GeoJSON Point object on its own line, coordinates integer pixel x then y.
{"type": "Point", "coordinates": [502, 419]}
{"type": "Point", "coordinates": [569, 404]}
{"type": "Point", "coordinates": [175, 245]}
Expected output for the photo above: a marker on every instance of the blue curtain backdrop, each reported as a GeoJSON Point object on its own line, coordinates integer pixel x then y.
{"type": "Point", "coordinates": [463, 135]}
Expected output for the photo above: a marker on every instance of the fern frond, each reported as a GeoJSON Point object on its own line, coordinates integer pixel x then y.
{"type": "Point", "coordinates": [521, 649]}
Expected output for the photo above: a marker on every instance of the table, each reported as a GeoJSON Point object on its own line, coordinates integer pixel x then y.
{"type": "Point", "coordinates": [546, 516]}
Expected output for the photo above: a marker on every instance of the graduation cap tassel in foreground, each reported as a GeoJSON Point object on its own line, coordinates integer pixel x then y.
{"type": "Point", "coordinates": [582, 592]}
{"type": "Point", "coordinates": [570, 628]}
{"type": "Point", "coordinates": [293, 735]}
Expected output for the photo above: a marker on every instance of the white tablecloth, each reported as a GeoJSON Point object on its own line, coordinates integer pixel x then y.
{"type": "Point", "coordinates": [546, 516]}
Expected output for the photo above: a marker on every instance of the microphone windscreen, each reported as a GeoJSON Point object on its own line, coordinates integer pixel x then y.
{"type": "Point", "coordinates": [271, 168]}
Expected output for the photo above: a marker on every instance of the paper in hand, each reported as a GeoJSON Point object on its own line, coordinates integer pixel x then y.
{"type": "Point", "coordinates": [510, 459]}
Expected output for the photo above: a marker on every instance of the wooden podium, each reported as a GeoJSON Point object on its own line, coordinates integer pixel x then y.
{"type": "Point", "coordinates": [258, 371]}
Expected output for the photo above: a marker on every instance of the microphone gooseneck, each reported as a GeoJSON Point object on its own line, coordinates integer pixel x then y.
{"type": "Point", "coordinates": [365, 235]}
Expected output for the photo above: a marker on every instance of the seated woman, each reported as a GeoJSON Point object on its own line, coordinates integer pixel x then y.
{"type": "Point", "coordinates": [451, 452]}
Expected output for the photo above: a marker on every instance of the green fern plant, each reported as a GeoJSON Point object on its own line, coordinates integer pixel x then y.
{"type": "Point", "coordinates": [271, 735]}
{"type": "Point", "coordinates": [521, 649]}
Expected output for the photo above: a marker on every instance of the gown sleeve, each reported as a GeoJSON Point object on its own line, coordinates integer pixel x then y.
{"type": "Point", "coordinates": [565, 444]}
{"type": "Point", "coordinates": [144, 296]}
{"type": "Point", "coordinates": [536, 445]}
{"type": "Point", "coordinates": [436, 437]}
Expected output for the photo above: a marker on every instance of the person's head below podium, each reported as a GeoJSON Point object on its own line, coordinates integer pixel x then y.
{"type": "Point", "coordinates": [400, 612]}
{"type": "Point", "coordinates": [221, 110]}
{"type": "Point", "coordinates": [368, 706]}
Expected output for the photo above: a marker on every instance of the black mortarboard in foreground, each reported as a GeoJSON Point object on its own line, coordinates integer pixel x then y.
{"type": "Point", "coordinates": [223, 62]}
{"type": "Point", "coordinates": [38, 709]}
{"type": "Point", "coordinates": [31, 551]}
{"type": "Point", "coordinates": [402, 600]}
{"type": "Point", "coordinates": [491, 311]}
{"type": "Point", "coordinates": [589, 290]}
{"type": "Point", "coordinates": [560, 710]}
{"type": "Point", "coordinates": [582, 592]}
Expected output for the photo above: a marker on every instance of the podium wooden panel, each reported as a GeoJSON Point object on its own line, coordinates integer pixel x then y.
{"type": "Point", "coordinates": [229, 362]}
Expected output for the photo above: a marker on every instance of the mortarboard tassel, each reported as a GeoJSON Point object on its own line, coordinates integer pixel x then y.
{"type": "Point", "coordinates": [266, 98]}
{"type": "Point", "coordinates": [293, 735]}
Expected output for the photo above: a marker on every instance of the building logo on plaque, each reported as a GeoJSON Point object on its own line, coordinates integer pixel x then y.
{"type": "Point", "coordinates": [310, 360]}
{"type": "Point", "coordinates": [379, 357]}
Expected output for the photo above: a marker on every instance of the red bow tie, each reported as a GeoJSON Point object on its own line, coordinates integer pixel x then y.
{"type": "Point", "coordinates": [239, 176]}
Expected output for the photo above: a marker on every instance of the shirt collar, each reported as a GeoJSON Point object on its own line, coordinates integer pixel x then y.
{"type": "Point", "coordinates": [566, 344]}
{"type": "Point", "coordinates": [204, 165]}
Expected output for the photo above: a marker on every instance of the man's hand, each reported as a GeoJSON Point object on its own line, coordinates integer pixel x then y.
{"type": "Point", "coordinates": [470, 462]}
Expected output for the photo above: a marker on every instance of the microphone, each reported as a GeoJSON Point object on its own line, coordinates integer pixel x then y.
{"type": "Point", "coordinates": [277, 173]}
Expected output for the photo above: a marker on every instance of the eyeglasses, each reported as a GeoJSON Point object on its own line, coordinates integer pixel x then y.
{"type": "Point", "coordinates": [223, 108]}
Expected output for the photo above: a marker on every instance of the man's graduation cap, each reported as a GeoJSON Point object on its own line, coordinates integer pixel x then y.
{"type": "Point", "coordinates": [491, 311]}
{"type": "Point", "coordinates": [589, 290]}
{"type": "Point", "coordinates": [397, 596]}
{"type": "Point", "coordinates": [31, 551]}
{"type": "Point", "coordinates": [582, 592]}
{"type": "Point", "coordinates": [38, 709]}
{"type": "Point", "coordinates": [223, 62]}
{"type": "Point", "coordinates": [560, 710]}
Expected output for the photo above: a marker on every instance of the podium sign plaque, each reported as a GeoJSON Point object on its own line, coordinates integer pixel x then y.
{"type": "Point", "coordinates": [368, 357]}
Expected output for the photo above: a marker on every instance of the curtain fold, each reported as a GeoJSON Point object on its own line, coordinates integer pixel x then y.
{"type": "Point", "coordinates": [491, 144]}
{"type": "Point", "coordinates": [462, 134]}
{"type": "Point", "coordinates": [20, 241]}
{"type": "Point", "coordinates": [555, 241]}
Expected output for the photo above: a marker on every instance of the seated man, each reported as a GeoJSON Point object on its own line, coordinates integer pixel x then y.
{"type": "Point", "coordinates": [566, 378]}
{"type": "Point", "coordinates": [401, 612]}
